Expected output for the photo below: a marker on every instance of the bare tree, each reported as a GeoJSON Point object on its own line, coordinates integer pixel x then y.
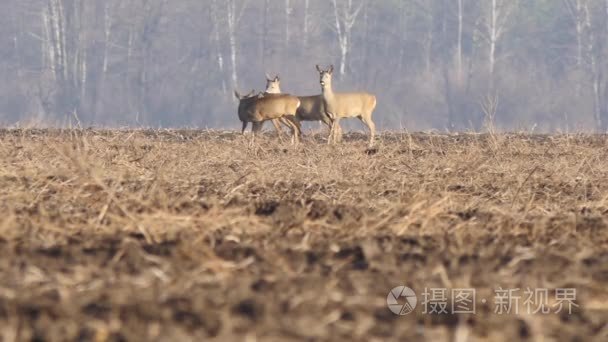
{"type": "Point", "coordinates": [67, 55]}
{"type": "Point", "coordinates": [287, 22]}
{"type": "Point", "coordinates": [575, 9]}
{"type": "Point", "coordinates": [120, 62]}
{"type": "Point", "coordinates": [146, 32]}
{"type": "Point", "coordinates": [345, 18]}
{"type": "Point", "coordinates": [494, 25]}
{"type": "Point", "coordinates": [99, 91]}
{"type": "Point", "coordinates": [403, 13]}
{"type": "Point", "coordinates": [306, 21]}
{"type": "Point", "coordinates": [594, 67]}
{"type": "Point", "coordinates": [460, 17]}
{"type": "Point", "coordinates": [234, 15]}
{"type": "Point", "coordinates": [214, 16]}
{"type": "Point", "coordinates": [605, 82]}
{"type": "Point", "coordinates": [588, 49]}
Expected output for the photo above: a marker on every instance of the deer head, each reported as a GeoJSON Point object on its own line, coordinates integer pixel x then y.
{"type": "Point", "coordinates": [273, 85]}
{"type": "Point", "coordinates": [325, 76]}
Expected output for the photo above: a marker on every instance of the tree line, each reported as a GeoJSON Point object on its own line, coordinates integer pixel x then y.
{"type": "Point", "coordinates": [433, 64]}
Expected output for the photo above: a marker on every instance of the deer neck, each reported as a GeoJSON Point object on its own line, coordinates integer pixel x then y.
{"type": "Point", "coordinates": [327, 91]}
{"type": "Point", "coordinates": [273, 91]}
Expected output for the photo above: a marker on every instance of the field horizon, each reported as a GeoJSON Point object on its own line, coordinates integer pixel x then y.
{"type": "Point", "coordinates": [121, 234]}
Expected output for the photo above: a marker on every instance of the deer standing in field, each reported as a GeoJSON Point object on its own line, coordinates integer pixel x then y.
{"type": "Point", "coordinates": [311, 107]}
{"type": "Point", "coordinates": [345, 105]}
{"type": "Point", "coordinates": [262, 107]}
{"type": "Point", "coordinates": [273, 87]}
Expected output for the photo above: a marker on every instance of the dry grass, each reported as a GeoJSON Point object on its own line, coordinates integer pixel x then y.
{"type": "Point", "coordinates": [157, 235]}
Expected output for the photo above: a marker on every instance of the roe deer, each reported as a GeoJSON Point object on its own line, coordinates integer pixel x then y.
{"type": "Point", "coordinates": [263, 107]}
{"type": "Point", "coordinates": [311, 107]}
{"type": "Point", "coordinates": [345, 105]}
{"type": "Point", "coordinates": [273, 87]}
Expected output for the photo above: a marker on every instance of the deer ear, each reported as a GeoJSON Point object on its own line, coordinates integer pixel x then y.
{"type": "Point", "coordinates": [237, 95]}
{"type": "Point", "coordinates": [268, 78]}
{"type": "Point", "coordinates": [276, 78]}
{"type": "Point", "coordinates": [318, 69]}
{"type": "Point", "coordinates": [331, 69]}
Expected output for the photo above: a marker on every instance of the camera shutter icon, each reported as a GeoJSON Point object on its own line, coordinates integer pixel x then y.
{"type": "Point", "coordinates": [401, 300]}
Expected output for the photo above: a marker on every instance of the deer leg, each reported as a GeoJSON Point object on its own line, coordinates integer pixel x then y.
{"type": "Point", "coordinates": [277, 126]}
{"type": "Point", "coordinates": [327, 121]}
{"type": "Point", "coordinates": [299, 126]}
{"type": "Point", "coordinates": [334, 130]}
{"type": "Point", "coordinates": [256, 127]}
{"type": "Point", "coordinates": [295, 128]}
{"type": "Point", "coordinates": [244, 127]}
{"type": "Point", "coordinates": [338, 134]}
{"type": "Point", "coordinates": [367, 120]}
{"type": "Point", "coordinates": [335, 126]}
{"type": "Point", "coordinates": [294, 138]}
{"type": "Point", "coordinates": [289, 125]}
{"type": "Point", "coordinates": [286, 121]}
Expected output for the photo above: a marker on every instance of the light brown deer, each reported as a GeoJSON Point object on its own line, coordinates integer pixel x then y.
{"type": "Point", "coordinates": [262, 107]}
{"type": "Point", "coordinates": [311, 107]}
{"type": "Point", "coordinates": [345, 105]}
{"type": "Point", "coordinates": [273, 86]}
